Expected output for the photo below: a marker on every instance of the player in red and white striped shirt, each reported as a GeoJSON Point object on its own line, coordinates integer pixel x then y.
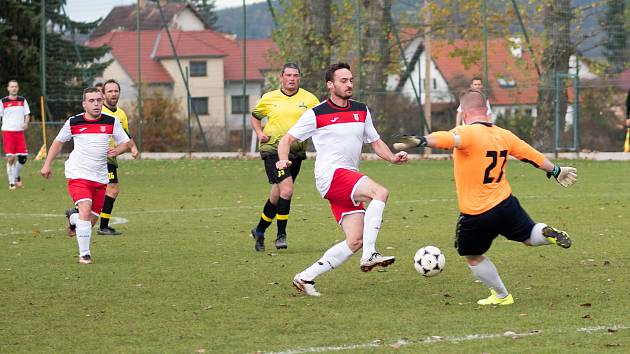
{"type": "Point", "coordinates": [15, 117]}
{"type": "Point", "coordinates": [86, 168]}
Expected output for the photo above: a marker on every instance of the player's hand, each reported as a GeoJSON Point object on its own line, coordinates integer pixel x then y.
{"type": "Point", "coordinates": [404, 142]}
{"type": "Point", "coordinates": [134, 152]}
{"type": "Point", "coordinates": [400, 158]}
{"type": "Point", "coordinates": [46, 172]}
{"type": "Point", "coordinates": [282, 164]}
{"type": "Point", "coordinates": [566, 176]}
{"type": "Point", "coordinates": [262, 137]}
{"type": "Point", "coordinates": [112, 153]}
{"type": "Point", "coordinates": [24, 126]}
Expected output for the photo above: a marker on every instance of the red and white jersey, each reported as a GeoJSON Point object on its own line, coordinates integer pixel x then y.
{"type": "Point", "coordinates": [338, 135]}
{"type": "Point", "coordinates": [13, 112]}
{"type": "Point", "coordinates": [88, 159]}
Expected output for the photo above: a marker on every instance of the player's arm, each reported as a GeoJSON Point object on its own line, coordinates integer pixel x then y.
{"type": "Point", "coordinates": [566, 176]}
{"type": "Point", "coordinates": [283, 151]}
{"type": "Point", "coordinates": [257, 126]}
{"type": "Point", "coordinates": [53, 151]}
{"type": "Point", "coordinates": [27, 119]}
{"type": "Point", "coordinates": [121, 138]}
{"type": "Point", "coordinates": [382, 150]}
{"type": "Point", "coordinates": [438, 140]}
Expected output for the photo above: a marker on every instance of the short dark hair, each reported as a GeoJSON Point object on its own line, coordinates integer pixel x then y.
{"type": "Point", "coordinates": [111, 81]}
{"type": "Point", "coordinates": [330, 73]}
{"type": "Point", "coordinates": [98, 84]}
{"type": "Point", "coordinates": [90, 90]}
{"type": "Point", "coordinates": [290, 66]}
{"type": "Point", "coordinates": [476, 78]}
{"type": "Point", "coordinates": [473, 100]}
{"type": "Point", "coordinates": [12, 80]}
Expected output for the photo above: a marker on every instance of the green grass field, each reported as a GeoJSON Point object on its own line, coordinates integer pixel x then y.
{"type": "Point", "coordinates": [184, 277]}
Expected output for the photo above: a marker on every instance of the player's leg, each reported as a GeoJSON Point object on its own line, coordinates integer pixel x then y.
{"type": "Point", "coordinates": [366, 190]}
{"type": "Point", "coordinates": [21, 161]}
{"type": "Point", "coordinates": [270, 208]}
{"type": "Point", "coordinates": [22, 154]}
{"type": "Point", "coordinates": [542, 234]}
{"type": "Point", "coordinates": [473, 238]}
{"type": "Point", "coordinates": [84, 230]}
{"type": "Point", "coordinates": [352, 225]}
{"type": "Point", "coordinates": [108, 205]}
{"type": "Point", "coordinates": [11, 171]}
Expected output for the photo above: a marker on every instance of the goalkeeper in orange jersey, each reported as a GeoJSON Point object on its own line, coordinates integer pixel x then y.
{"type": "Point", "coordinates": [484, 196]}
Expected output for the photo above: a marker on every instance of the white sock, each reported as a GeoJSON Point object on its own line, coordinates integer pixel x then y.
{"type": "Point", "coordinates": [536, 237]}
{"type": "Point", "coordinates": [333, 258]}
{"type": "Point", "coordinates": [487, 273]}
{"type": "Point", "coordinates": [371, 226]}
{"type": "Point", "coordinates": [11, 172]}
{"type": "Point", "coordinates": [84, 233]}
{"type": "Point", "coordinates": [73, 218]}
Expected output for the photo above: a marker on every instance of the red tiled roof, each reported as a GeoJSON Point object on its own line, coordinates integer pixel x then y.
{"type": "Point", "coordinates": [123, 18]}
{"type": "Point", "coordinates": [501, 64]}
{"type": "Point", "coordinates": [125, 50]}
{"type": "Point", "coordinates": [188, 44]}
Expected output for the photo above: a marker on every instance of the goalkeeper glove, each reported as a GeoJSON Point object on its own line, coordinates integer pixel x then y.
{"type": "Point", "coordinates": [566, 176]}
{"type": "Point", "coordinates": [409, 141]}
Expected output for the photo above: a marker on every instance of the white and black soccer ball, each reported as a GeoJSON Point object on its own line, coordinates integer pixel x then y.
{"type": "Point", "coordinates": [429, 261]}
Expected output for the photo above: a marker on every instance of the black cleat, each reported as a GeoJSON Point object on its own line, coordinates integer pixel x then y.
{"type": "Point", "coordinates": [281, 241]}
{"type": "Point", "coordinates": [260, 240]}
{"type": "Point", "coordinates": [557, 237]}
{"type": "Point", "coordinates": [108, 231]}
{"type": "Point", "coordinates": [72, 229]}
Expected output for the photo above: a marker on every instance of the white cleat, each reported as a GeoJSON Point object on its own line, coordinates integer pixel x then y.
{"type": "Point", "coordinates": [376, 260]}
{"type": "Point", "coordinates": [305, 286]}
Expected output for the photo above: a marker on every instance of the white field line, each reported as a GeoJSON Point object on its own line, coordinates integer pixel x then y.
{"type": "Point", "coordinates": [113, 221]}
{"type": "Point", "coordinates": [447, 339]}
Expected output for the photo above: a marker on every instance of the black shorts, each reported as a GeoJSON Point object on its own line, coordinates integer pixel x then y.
{"type": "Point", "coordinates": [276, 176]}
{"type": "Point", "coordinates": [112, 173]}
{"type": "Point", "coordinates": [475, 233]}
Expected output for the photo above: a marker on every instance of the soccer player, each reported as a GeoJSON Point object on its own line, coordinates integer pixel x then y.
{"type": "Point", "coordinates": [15, 117]}
{"type": "Point", "coordinates": [86, 168]}
{"type": "Point", "coordinates": [111, 91]}
{"type": "Point", "coordinates": [488, 208]}
{"type": "Point", "coordinates": [339, 127]}
{"type": "Point", "coordinates": [476, 84]}
{"type": "Point", "coordinates": [282, 107]}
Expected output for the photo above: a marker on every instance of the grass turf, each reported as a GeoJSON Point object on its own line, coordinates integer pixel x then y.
{"type": "Point", "coordinates": [184, 276]}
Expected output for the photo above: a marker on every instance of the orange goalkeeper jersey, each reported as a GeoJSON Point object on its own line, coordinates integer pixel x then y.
{"type": "Point", "coordinates": [480, 165]}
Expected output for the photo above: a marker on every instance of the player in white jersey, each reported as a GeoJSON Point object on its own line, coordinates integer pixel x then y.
{"type": "Point", "coordinates": [86, 168]}
{"type": "Point", "coordinates": [15, 117]}
{"type": "Point", "coordinates": [339, 128]}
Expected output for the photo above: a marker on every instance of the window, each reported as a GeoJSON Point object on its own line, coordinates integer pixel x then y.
{"type": "Point", "coordinates": [435, 84]}
{"type": "Point", "coordinates": [238, 103]}
{"type": "Point", "coordinates": [199, 105]}
{"type": "Point", "coordinates": [198, 68]}
{"type": "Point", "coordinates": [506, 83]}
{"type": "Point", "coordinates": [528, 112]}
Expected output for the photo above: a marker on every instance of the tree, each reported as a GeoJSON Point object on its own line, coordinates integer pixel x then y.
{"type": "Point", "coordinates": [616, 42]}
{"type": "Point", "coordinates": [70, 67]}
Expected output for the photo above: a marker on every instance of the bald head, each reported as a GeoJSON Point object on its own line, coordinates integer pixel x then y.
{"type": "Point", "coordinates": [474, 106]}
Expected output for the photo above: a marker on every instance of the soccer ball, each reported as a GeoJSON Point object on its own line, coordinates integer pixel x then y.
{"type": "Point", "coordinates": [429, 261]}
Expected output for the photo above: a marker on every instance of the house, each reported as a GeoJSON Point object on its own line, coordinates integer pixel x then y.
{"type": "Point", "coordinates": [512, 79]}
{"type": "Point", "coordinates": [178, 16]}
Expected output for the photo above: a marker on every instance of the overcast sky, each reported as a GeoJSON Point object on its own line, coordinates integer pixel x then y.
{"type": "Point", "coordinates": [88, 10]}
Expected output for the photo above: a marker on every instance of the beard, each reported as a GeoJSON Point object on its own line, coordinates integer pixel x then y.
{"type": "Point", "coordinates": [344, 95]}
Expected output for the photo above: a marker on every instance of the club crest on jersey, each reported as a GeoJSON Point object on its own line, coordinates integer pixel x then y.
{"type": "Point", "coordinates": [103, 129]}
{"type": "Point", "coordinates": [356, 116]}
{"type": "Point", "coordinates": [302, 105]}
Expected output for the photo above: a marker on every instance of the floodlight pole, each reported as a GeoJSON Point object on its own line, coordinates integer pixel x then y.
{"type": "Point", "coordinates": [243, 105]}
{"type": "Point", "coordinates": [139, 83]}
{"type": "Point", "coordinates": [486, 84]}
{"type": "Point", "coordinates": [42, 53]}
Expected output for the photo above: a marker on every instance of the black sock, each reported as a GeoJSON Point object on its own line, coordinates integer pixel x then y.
{"type": "Point", "coordinates": [267, 216]}
{"type": "Point", "coordinates": [284, 205]}
{"type": "Point", "coordinates": [108, 206]}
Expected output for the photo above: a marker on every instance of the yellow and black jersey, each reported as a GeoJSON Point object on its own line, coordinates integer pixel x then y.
{"type": "Point", "coordinates": [480, 163]}
{"type": "Point", "coordinates": [120, 114]}
{"type": "Point", "coordinates": [282, 112]}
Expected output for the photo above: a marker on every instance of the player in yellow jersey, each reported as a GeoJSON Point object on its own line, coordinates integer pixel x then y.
{"type": "Point", "coordinates": [484, 196]}
{"type": "Point", "coordinates": [282, 108]}
{"type": "Point", "coordinates": [111, 91]}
